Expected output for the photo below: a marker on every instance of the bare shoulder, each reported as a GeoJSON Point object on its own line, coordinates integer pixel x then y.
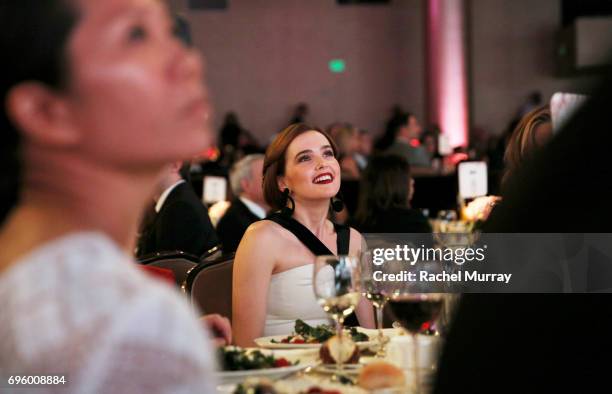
{"type": "Point", "coordinates": [263, 241]}
{"type": "Point", "coordinates": [264, 230]}
{"type": "Point", "coordinates": [355, 236]}
{"type": "Point", "coordinates": [357, 242]}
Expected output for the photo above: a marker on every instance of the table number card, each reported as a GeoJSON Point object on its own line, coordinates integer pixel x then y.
{"type": "Point", "coordinates": [473, 179]}
{"type": "Point", "coordinates": [214, 189]}
{"type": "Point", "coordinates": [563, 106]}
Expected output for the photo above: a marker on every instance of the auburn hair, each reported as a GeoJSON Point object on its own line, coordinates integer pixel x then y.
{"type": "Point", "coordinates": [522, 143]}
{"type": "Point", "coordinates": [275, 161]}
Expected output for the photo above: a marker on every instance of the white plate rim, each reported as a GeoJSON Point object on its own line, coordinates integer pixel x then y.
{"type": "Point", "coordinates": [223, 375]}
{"type": "Point", "coordinates": [349, 369]}
{"type": "Point", "coordinates": [266, 343]}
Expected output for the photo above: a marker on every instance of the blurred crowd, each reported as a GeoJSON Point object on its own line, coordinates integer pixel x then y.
{"type": "Point", "coordinates": [378, 176]}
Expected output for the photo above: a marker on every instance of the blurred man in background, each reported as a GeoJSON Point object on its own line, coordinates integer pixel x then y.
{"type": "Point", "coordinates": [179, 220]}
{"type": "Point", "coordinates": [248, 205]}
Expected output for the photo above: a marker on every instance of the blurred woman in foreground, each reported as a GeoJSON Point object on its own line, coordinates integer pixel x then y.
{"type": "Point", "coordinates": [97, 98]}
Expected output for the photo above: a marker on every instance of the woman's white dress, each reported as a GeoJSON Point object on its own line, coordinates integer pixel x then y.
{"type": "Point", "coordinates": [290, 297]}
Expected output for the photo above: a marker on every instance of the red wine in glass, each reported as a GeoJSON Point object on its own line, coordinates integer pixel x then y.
{"type": "Point", "coordinates": [412, 311]}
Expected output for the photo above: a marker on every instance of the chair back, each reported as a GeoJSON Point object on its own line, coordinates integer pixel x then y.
{"type": "Point", "coordinates": [179, 263]}
{"type": "Point", "coordinates": [209, 286]}
{"type": "Point", "coordinates": [211, 255]}
{"type": "Point", "coordinates": [163, 274]}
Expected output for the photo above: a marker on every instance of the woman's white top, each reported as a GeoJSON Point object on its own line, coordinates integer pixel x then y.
{"type": "Point", "coordinates": [78, 306]}
{"type": "Point", "coordinates": [290, 297]}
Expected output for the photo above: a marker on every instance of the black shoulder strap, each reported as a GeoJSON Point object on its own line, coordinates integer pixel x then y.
{"type": "Point", "coordinates": [343, 238]}
{"type": "Point", "coordinates": [309, 240]}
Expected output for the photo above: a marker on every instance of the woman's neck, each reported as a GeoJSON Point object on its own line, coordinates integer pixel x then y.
{"type": "Point", "coordinates": [313, 215]}
{"type": "Point", "coordinates": [72, 194]}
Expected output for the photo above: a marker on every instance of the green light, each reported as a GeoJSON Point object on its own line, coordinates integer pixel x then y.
{"type": "Point", "coordinates": [337, 65]}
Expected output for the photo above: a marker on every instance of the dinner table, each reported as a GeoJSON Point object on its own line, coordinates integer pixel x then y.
{"type": "Point", "coordinates": [310, 376]}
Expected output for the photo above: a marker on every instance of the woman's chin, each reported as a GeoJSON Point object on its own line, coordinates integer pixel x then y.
{"type": "Point", "coordinates": [325, 195]}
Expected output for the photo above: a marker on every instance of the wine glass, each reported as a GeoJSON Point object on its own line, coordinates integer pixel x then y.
{"type": "Point", "coordinates": [377, 291]}
{"type": "Point", "coordinates": [416, 305]}
{"type": "Point", "coordinates": [337, 287]}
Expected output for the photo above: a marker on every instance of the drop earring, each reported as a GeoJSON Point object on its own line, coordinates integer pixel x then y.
{"type": "Point", "coordinates": [287, 211]}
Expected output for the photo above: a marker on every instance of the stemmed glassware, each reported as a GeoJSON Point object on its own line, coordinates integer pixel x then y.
{"type": "Point", "coordinates": [337, 287]}
{"type": "Point", "coordinates": [416, 305]}
{"type": "Point", "coordinates": [377, 291]}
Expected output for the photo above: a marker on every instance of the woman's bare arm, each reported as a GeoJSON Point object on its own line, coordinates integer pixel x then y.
{"type": "Point", "coordinates": [253, 268]}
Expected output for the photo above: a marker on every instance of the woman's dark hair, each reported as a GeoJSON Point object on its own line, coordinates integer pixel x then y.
{"type": "Point", "coordinates": [32, 41]}
{"type": "Point", "coordinates": [385, 184]}
{"type": "Point", "coordinates": [274, 162]}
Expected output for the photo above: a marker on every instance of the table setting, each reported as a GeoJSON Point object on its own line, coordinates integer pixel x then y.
{"type": "Point", "coordinates": [344, 360]}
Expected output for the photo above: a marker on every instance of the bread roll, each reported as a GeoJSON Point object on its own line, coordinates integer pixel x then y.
{"type": "Point", "coordinates": [380, 375]}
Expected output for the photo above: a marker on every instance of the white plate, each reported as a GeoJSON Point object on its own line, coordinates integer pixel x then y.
{"type": "Point", "coordinates": [269, 343]}
{"type": "Point", "coordinates": [306, 358]}
{"type": "Point", "coordinates": [347, 369]}
{"type": "Point", "coordinates": [270, 373]}
{"type": "Point", "coordinates": [266, 342]}
{"type": "Point", "coordinates": [301, 385]}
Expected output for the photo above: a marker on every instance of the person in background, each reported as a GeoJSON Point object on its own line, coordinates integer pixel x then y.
{"type": "Point", "coordinates": [384, 201]}
{"type": "Point", "coordinates": [299, 114]}
{"type": "Point", "coordinates": [429, 141]}
{"type": "Point", "coordinates": [347, 141]}
{"type": "Point", "coordinates": [364, 149]}
{"type": "Point", "coordinates": [532, 102]}
{"type": "Point", "coordinates": [479, 142]}
{"type": "Point", "coordinates": [533, 131]}
{"type": "Point", "coordinates": [388, 136]}
{"type": "Point", "coordinates": [333, 129]}
{"type": "Point", "coordinates": [249, 204]}
{"type": "Point", "coordinates": [179, 220]}
{"type": "Point", "coordinates": [406, 144]}
{"type": "Point", "coordinates": [99, 96]}
{"type": "Point", "coordinates": [235, 141]}
{"type": "Point", "coordinates": [230, 132]}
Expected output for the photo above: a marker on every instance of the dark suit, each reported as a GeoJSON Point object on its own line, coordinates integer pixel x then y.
{"type": "Point", "coordinates": [233, 224]}
{"type": "Point", "coordinates": [182, 224]}
{"type": "Point", "coordinates": [543, 342]}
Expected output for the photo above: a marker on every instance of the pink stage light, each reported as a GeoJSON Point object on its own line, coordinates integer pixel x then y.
{"type": "Point", "coordinates": [447, 76]}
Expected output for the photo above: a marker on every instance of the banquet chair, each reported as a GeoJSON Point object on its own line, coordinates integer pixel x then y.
{"type": "Point", "coordinates": [209, 286]}
{"type": "Point", "coordinates": [211, 255]}
{"type": "Point", "coordinates": [180, 263]}
{"type": "Point", "coordinates": [163, 274]}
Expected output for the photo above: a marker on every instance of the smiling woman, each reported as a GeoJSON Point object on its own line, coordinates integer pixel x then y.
{"type": "Point", "coordinates": [97, 97]}
{"type": "Point", "coordinates": [273, 269]}
{"type": "Point", "coordinates": [284, 156]}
